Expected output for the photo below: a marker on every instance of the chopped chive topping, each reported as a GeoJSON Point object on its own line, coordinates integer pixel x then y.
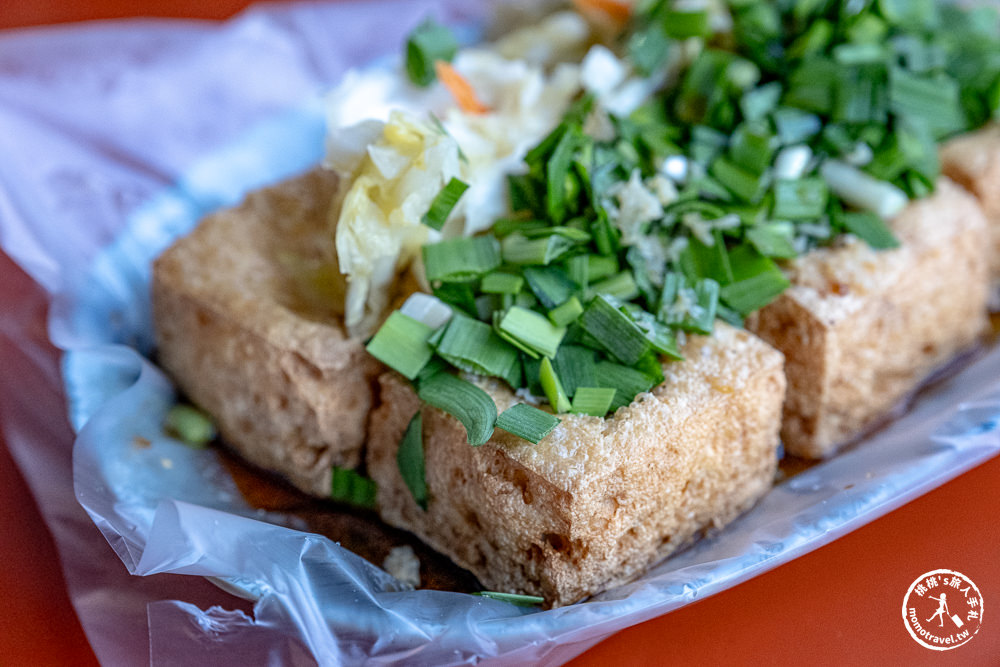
{"type": "Point", "coordinates": [189, 425]}
{"type": "Point", "coordinates": [593, 401]}
{"type": "Point", "coordinates": [410, 460]}
{"type": "Point", "coordinates": [501, 283]}
{"type": "Point", "coordinates": [402, 344]}
{"type": "Point", "coordinates": [513, 598]}
{"type": "Point", "coordinates": [351, 487]}
{"type": "Point", "coordinates": [614, 330]}
{"type": "Point", "coordinates": [552, 387]}
{"type": "Point", "coordinates": [461, 259]}
{"type": "Point", "coordinates": [474, 347]}
{"type": "Point", "coordinates": [444, 202]}
{"type": "Point", "coordinates": [464, 401]}
{"type": "Point", "coordinates": [565, 314]}
{"type": "Point", "coordinates": [527, 422]}
{"type": "Point", "coordinates": [428, 43]}
{"type": "Point", "coordinates": [531, 331]}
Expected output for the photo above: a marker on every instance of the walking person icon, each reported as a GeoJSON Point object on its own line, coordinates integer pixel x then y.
{"type": "Point", "coordinates": [941, 610]}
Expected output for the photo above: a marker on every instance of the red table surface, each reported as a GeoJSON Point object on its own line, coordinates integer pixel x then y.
{"type": "Point", "coordinates": [839, 604]}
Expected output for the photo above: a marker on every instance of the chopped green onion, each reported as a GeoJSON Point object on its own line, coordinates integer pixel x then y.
{"type": "Point", "coordinates": [747, 186]}
{"type": "Point", "coordinates": [757, 281]}
{"type": "Point", "coordinates": [474, 347]}
{"type": "Point", "coordinates": [575, 366]}
{"type": "Point", "coordinates": [349, 486]}
{"type": "Point", "coordinates": [443, 203]}
{"type": "Point", "coordinates": [933, 101]}
{"type": "Point", "coordinates": [681, 24]}
{"type": "Point", "coordinates": [626, 381]}
{"type": "Point", "coordinates": [752, 148]}
{"type": "Point", "coordinates": [428, 43]}
{"type": "Point", "coordinates": [410, 460]}
{"type": "Point", "coordinates": [519, 249]}
{"type": "Point", "coordinates": [614, 330]}
{"type": "Point", "coordinates": [859, 189]}
{"type": "Point", "coordinates": [593, 401]}
{"type": "Point", "coordinates": [557, 173]}
{"type": "Point", "coordinates": [773, 239]}
{"type": "Point", "coordinates": [552, 387]}
{"type": "Point", "coordinates": [402, 344]}
{"type": "Point", "coordinates": [795, 125]}
{"type": "Point", "coordinates": [513, 598]}
{"type": "Point", "coordinates": [532, 331]}
{"type": "Point", "coordinates": [870, 228]}
{"type": "Point", "coordinates": [499, 282]}
{"type": "Point", "coordinates": [621, 286]}
{"type": "Point", "coordinates": [459, 295]}
{"type": "Point", "coordinates": [799, 199]}
{"type": "Point", "coordinates": [189, 425]}
{"type": "Point", "coordinates": [691, 308]}
{"type": "Point", "coordinates": [461, 258]}
{"type": "Point", "coordinates": [567, 313]}
{"type": "Point", "coordinates": [550, 284]}
{"type": "Point", "coordinates": [527, 422]}
{"type": "Point", "coordinates": [600, 266]}
{"type": "Point", "coordinates": [464, 401]}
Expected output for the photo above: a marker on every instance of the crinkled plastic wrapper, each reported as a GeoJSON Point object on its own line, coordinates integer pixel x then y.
{"type": "Point", "coordinates": [119, 137]}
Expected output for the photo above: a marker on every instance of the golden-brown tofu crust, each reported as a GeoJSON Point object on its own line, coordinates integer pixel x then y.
{"type": "Point", "coordinates": [598, 500]}
{"type": "Point", "coordinates": [242, 328]}
{"type": "Point", "coordinates": [973, 161]}
{"type": "Point", "coordinates": [861, 329]}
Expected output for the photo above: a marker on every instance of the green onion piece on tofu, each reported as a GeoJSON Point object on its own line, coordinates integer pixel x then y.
{"type": "Point", "coordinates": [464, 401]}
{"type": "Point", "coordinates": [593, 401]}
{"type": "Point", "coordinates": [620, 286]}
{"type": "Point", "coordinates": [799, 199]}
{"type": "Point", "coordinates": [461, 258]}
{"type": "Point", "coordinates": [189, 425]}
{"type": "Point", "coordinates": [473, 346]}
{"type": "Point", "coordinates": [625, 380]}
{"type": "Point", "coordinates": [527, 422]}
{"type": "Point", "coordinates": [402, 344]}
{"type": "Point", "coordinates": [567, 313]}
{"type": "Point", "coordinates": [681, 24]}
{"type": "Point", "coordinates": [576, 367]}
{"type": "Point", "coordinates": [773, 239]}
{"type": "Point", "coordinates": [601, 266]}
{"type": "Point", "coordinates": [550, 284]}
{"type": "Point", "coordinates": [349, 486]}
{"type": "Point", "coordinates": [513, 598]}
{"type": "Point", "coordinates": [757, 281]}
{"type": "Point", "coordinates": [519, 249]}
{"type": "Point", "coordinates": [531, 331]}
{"type": "Point", "coordinates": [428, 43]}
{"type": "Point", "coordinates": [869, 228]}
{"type": "Point", "coordinates": [411, 462]}
{"type": "Point", "coordinates": [500, 282]}
{"type": "Point", "coordinates": [443, 203]}
{"type": "Point", "coordinates": [552, 387]}
{"type": "Point", "coordinates": [614, 330]}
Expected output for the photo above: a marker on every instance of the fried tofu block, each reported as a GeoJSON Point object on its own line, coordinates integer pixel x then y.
{"type": "Point", "coordinates": [599, 499]}
{"type": "Point", "coordinates": [861, 329]}
{"type": "Point", "coordinates": [973, 161]}
{"type": "Point", "coordinates": [245, 311]}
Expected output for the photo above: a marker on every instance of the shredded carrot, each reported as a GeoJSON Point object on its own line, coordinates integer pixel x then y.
{"type": "Point", "coordinates": [619, 11]}
{"type": "Point", "coordinates": [459, 88]}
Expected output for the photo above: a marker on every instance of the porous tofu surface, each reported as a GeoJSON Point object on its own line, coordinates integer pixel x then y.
{"type": "Point", "coordinates": [862, 328]}
{"type": "Point", "coordinates": [245, 311]}
{"type": "Point", "coordinates": [973, 161]}
{"type": "Point", "coordinates": [599, 499]}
